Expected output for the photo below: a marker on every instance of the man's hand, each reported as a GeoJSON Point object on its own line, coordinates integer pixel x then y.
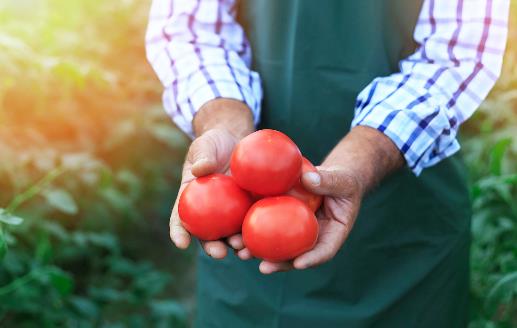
{"type": "Point", "coordinates": [353, 167]}
{"type": "Point", "coordinates": [220, 124]}
{"type": "Point", "coordinates": [342, 198]}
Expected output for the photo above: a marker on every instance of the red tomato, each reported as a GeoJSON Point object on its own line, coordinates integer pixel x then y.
{"type": "Point", "coordinates": [213, 207]}
{"type": "Point", "coordinates": [279, 228]}
{"type": "Point", "coordinates": [298, 191]}
{"type": "Point", "coordinates": [266, 162]}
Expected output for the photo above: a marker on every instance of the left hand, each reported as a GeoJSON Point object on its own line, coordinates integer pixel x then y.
{"type": "Point", "coordinates": [342, 198]}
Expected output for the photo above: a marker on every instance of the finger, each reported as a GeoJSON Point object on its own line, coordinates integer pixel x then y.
{"type": "Point", "coordinates": [330, 182]}
{"type": "Point", "coordinates": [236, 242]}
{"type": "Point", "coordinates": [203, 156]}
{"type": "Point", "coordinates": [216, 249]}
{"type": "Point", "coordinates": [179, 236]}
{"type": "Point", "coordinates": [266, 267]}
{"type": "Point", "coordinates": [329, 242]}
{"type": "Point", "coordinates": [244, 254]}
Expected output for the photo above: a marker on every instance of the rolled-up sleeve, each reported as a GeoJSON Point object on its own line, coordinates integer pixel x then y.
{"type": "Point", "coordinates": [458, 60]}
{"type": "Point", "coordinates": [200, 53]}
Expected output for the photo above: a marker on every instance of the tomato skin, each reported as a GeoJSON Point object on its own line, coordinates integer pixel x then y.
{"type": "Point", "coordinates": [298, 191]}
{"type": "Point", "coordinates": [213, 207]}
{"type": "Point", "coordinates": [279, 228]}
{"type": "Point", "coordinates": [266, 162]}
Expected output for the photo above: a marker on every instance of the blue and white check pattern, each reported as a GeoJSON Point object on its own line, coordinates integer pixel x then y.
{"type": "Point", "coordinates": [200, 53]}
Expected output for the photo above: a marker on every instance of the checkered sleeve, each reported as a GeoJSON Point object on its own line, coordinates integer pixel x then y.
{"type": "Point", "coordinates": [200, 53]}
{"type": "Point", "coordinates": [458, 59]}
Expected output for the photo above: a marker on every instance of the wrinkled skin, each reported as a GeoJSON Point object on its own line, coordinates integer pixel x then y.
{"type": "Point", "coordinates": [355, 165]}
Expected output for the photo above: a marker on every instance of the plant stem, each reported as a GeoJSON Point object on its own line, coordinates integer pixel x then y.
{"type": "Point", "coordinates": [9, 288]}
{"type": "Point", "coordinates": [33, 190]}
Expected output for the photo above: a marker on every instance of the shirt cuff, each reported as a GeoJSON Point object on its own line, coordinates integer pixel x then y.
{"type": "Point", "coordinates": [183, 110]}
{"type": "Point", "coordinates": [421, 144]}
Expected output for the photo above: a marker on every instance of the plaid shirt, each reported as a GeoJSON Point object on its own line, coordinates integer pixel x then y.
{"type": "Point", "coordinates": [200, 52]}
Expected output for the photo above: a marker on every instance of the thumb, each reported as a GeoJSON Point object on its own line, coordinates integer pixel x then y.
{"type": "Point", "coordinates": [331, 181]}
{"type": "Point", "coordinates": [203, 156]}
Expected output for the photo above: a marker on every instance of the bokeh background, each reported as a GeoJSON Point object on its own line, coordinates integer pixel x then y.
{"type": "Point", "coordinates": [90, 164]}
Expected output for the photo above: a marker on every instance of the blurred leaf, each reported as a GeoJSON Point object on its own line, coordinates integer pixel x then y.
{"type": "Point", "coordinates": [3, 245]}
{"type": "Point", "coordinates": [497, 154]}
{"type": "Point", "coordinates": [501, 291]}
{"type": "Point", "coordinates": [12, 43]}
{"type": "Point", "coordinates": [168, 309]}
{"type": "Point", "coordinates": [131, 180]}
{"type": "Point", "coordinates": [34, 189]}
{"type": "Point", "coordinates": [151, 283]}
{"type": "Point", "coordinates": [116, 198]}
{"type": "Point", "coordinates": [105, 240]}
{"type": "Point", "coordinates": [55, 230]}
{"type": "Point", "coordinates": [169, 134]}
{"type": "Point", "coordinates": [61, 200]}
{"type": "Point", "coordinates": [80, 238]}
{"type": "Point", "coordinates": [124, 266]}
{"type": "Point", "coordinates": [8, 218]}
{"type": "Point", "coordinates": [87, 308]}
{"type": "Point", "coordinates": [43, 249]}
{"type": "Point", "coordinates": [62, 281]}
{"type": "Point", "coordinates": [79, 160]}
{"type": "Point", "coordinates": [120, 134]}
{"type": "Point", "coordinates": [72, 72]}
{"type": "Point", "coordinates": [107, 294]}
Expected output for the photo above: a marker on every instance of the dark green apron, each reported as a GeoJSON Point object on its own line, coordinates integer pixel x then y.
{"type": "Point", "coordinates": [405, 263]}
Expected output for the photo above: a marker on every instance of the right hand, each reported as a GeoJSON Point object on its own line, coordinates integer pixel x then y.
{"type": "Point", "coordinates": [209, 153]}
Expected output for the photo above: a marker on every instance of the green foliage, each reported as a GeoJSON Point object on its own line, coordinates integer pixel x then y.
{"type": "Point", "coordinates": [89, 166]}
{"type": "Point", "coordinates": [490, 148]}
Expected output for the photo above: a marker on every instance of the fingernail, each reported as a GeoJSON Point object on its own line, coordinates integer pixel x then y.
{"type": "Point", "coordinates": [313, 178]}
{"type": "Point", "coordinates": [300, 265]}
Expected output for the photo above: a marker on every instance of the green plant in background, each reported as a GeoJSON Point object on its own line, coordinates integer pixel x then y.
{"type": "Point", "coordinates": [89, 166]}
{"type": "Point", "coordinates": [490, 149]}
{"type": "Point", "coordinates": [43, 292]}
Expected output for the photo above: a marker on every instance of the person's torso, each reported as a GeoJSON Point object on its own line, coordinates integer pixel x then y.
{"type": "Point", "coordinates": [408, 250]}
{"type": "Point", "coordinates": [314, 57]}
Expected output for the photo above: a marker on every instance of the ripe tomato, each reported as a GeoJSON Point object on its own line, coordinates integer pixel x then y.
{"type": "Point", "coordinates": [298, 191]}
{"type": "Point", "coordinates": [279, 228]}
{"type": "Point", "coordinates": [266, 162]}
{"type": "Point", "coordinates": [213, 207]}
